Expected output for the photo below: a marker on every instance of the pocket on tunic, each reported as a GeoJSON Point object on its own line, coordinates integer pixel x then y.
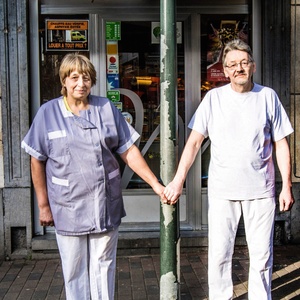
{"type": "Point", "coordinates": [58, 143]}
{"type": "Point", "coordinates": [59, 191]}
{"type": "Point", "coordinates": [77, 218]}
{"type": "Point", "coordinates": [114, 183]}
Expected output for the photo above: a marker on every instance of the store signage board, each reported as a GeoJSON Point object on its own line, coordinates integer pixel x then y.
{"type": "Point", "coordinates": [113, 31]}
{"type": "Point", "coordinates": [113, 96]}
{"type": "Point", "coordinates": [67, 35]}
{"type": "Point", "coordinates": [113, 81]}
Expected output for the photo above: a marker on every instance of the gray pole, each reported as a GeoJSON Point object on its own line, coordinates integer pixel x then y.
{"type": "Point", "coordinates": [169, 229]}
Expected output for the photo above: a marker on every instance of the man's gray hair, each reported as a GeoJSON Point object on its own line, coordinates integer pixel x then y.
{"type": "Point", "coordinates": [236, 45]}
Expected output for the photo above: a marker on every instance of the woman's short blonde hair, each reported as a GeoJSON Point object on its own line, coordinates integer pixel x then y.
{"type": "Point", "coordinates": [78, 62]}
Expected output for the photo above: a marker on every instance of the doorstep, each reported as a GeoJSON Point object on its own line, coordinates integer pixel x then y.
{"type": "Point", "coordinates": [131, 243]}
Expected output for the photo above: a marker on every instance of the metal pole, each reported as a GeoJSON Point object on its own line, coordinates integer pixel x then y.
{"type": "Point", "coordinates": [169, 232]}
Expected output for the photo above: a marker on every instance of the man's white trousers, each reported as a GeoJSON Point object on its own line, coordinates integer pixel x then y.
{"type": "Point", "coordinates": [223, 220]}
{"type": "Point", "coordinates": [89, 263]}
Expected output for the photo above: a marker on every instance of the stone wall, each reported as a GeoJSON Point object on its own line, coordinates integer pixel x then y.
{"type": "Point", "coordinates": [295, 115]}
{"type": "Point", "coordinates": [16, 205]}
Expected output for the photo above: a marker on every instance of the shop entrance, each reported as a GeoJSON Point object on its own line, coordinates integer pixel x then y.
{"type": "Point", "coordinates": [133, 68]}
{"type": "Point", "coordinates": [138, 80]}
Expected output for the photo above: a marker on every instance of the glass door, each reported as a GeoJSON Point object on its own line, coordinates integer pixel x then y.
{"type": "Point", "coordinates": [139, 72]}
{"type": "Point", "coordinates": [137, 55]}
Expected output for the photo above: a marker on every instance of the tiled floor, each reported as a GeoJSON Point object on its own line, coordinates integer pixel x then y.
{"type": "Point", "coordinates": [137, 277]}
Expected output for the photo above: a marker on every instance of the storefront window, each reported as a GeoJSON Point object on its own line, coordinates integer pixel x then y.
{"type": "Point", "coordinates": [139, 63]}
{"type": "Point", "coordinates": [133, 63]}
{"type": "Point", "coordinates": [216, 31]}
{"type": "Point", "coordinates": [138, 59]}
{"type": "Point", "coordinates": [55, 42]}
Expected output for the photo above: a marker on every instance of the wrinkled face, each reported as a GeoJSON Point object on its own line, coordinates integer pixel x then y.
{"type": "Point", "coordinates": [78, 86]}
{"type": "Point", "coordinates": [239, 68]}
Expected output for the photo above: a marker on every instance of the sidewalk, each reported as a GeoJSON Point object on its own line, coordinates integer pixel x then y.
{"type": "Point", "coordinates": [137, 277]}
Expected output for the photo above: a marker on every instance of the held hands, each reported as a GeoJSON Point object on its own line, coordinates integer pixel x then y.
{"type": "Point", "coordinates": [172, 192]}
{"type": "Point", "coordinates": [169, 194]}
{"type": "Point", "coordinates": [159, 190]}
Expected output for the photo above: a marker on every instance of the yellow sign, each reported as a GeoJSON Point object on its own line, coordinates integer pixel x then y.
{"type": "Point", "coordinates": [67, 35]}
{"type": "Point", "coordinates": [67, 25]}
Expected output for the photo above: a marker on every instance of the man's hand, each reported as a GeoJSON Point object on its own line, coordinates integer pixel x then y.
{"type": "Point", "coordinates": [286, 199]}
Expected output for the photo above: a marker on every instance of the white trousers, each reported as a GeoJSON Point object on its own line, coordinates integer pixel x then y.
{"type": "Point", "coordinates": [89, 264]}
{"type": "Point", "coordinates": [223, 220]}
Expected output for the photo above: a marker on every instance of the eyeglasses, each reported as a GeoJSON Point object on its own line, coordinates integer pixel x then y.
{"type": "Point", "coordinates": [244, 64]}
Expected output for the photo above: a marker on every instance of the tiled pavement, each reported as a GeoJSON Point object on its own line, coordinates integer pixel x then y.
{"type": "Point", "coordinates": [138, 276]}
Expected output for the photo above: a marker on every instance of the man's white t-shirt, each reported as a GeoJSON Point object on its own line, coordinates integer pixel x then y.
{"type": "Point", "coordinates": [242, 128]}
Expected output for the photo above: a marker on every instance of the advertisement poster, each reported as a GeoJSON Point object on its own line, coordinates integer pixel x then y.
{"type": "Point", "coordinates": [66, 35]}
{"type": "Point", "coordinates": [220, 34]}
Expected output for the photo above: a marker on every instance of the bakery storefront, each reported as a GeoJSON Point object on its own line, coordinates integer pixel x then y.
{"type": "Point", "coordinates": [122, 41]}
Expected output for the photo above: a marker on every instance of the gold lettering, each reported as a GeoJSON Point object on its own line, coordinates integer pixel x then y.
{"type": "Point", "coordinates": [54, 45]}
{"type": "Point", "coordinates": [69, 45]}
{"type": "Point", "coordinates": [79, 45]}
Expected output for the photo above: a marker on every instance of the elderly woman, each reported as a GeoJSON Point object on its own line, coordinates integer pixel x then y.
{"type": "Point", "coordinates": [72, 142]}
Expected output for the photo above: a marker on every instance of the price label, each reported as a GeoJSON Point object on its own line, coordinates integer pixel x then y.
{"type": "Point", "coordinates": [113, 31]}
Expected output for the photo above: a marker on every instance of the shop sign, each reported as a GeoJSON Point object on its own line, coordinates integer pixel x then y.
{"type": "Point", "coordinates": [112, 81]}
{"type": "Point", "coordinates": [111, 47]}
{"type": "Point", "coordinates": [128, 117]}
{"type": "Point", "coordinates": [113, 31]}
{"type": "Point", "coordinates": [113, 96]}
{"type": "Point", "coordinates": [112, 64]}
{"type": "Point", "coordinates": [66, 35]}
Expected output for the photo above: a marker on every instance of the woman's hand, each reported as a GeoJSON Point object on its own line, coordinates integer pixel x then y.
{"type": "Point", "coordinates": [46, 218]}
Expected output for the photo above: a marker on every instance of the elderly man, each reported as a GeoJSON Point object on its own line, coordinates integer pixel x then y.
{"type": "Point", "coordinates": [245, 122]}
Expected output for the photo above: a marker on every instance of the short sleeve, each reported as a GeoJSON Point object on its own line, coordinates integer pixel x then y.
{"type": "Point", "coordinates": [126, 133]}
{"type": "Point", "coordinates": [35, 141]}
{"type": "Point", "coordinates": [281, 125]}
{"type": "Point", "coordinates": [200, 119]}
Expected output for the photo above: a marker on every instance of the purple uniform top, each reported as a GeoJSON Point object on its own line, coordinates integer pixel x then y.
{"type": "Point", "coordinates": [83, 175]}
